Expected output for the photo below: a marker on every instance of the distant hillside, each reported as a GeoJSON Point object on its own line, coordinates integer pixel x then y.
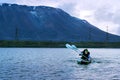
{"type": "Point", "coordinates": [42, 23]}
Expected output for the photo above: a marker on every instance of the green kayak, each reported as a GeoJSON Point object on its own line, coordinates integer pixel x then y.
{"type": "Point", "coordinates": [84, 61]}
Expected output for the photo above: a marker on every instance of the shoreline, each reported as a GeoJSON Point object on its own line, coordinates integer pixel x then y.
{"type": "Point", "coordinates": [51, 44]}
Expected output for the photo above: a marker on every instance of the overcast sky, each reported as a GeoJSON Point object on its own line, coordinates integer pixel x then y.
{"type": "Point", "coordinates": [100, 13]}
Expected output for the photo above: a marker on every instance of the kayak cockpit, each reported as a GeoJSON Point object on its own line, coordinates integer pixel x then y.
{"type": "Point", "coordinates": [84, 61]}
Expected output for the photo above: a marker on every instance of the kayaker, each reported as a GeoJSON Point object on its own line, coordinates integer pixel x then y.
{"type": "Point", "coordinates": [85, 54]}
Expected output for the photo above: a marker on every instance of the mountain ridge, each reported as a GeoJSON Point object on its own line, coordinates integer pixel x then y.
{"type": "Point", "coordinates": [43, 23]}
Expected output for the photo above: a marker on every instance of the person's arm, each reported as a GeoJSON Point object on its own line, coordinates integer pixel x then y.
{"type": "Point", "coordinates": [88, 55]}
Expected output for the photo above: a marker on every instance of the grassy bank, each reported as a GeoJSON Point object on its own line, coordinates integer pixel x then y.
{"type": "Point", "coordinates": [59, 44]}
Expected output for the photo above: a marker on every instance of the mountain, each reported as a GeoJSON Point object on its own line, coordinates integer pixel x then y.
{"type": "Point", "coordinates": [42, 23]}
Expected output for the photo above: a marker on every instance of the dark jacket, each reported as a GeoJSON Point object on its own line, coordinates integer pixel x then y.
{"type": "Point", "coordinates": [85, 56]}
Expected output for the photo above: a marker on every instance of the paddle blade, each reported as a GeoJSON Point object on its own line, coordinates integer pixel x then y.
{"type": "Point", "coordinates": [74, 47]}
{"type": "Point", "coordinates": [68, 46]}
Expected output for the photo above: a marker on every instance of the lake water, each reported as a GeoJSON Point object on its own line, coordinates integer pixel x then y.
{"type": "Point", "coordinates": [58, 64]}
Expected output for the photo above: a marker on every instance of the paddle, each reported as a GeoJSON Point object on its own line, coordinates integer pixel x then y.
{"type": "Point", "coordinates": [73, 47]}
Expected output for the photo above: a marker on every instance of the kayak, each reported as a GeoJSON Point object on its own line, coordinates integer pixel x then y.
{"type": "Point", "coordinates": [84, 61]}
{"type": "Point", "coordinates": [79, 61]}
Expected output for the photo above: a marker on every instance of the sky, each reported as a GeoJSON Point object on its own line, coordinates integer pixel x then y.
{"type": "Point", "coordinates": [100, 13]}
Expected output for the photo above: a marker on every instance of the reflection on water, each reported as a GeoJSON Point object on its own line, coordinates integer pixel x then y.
{"type": "Point", "coordinates": [57, 64]}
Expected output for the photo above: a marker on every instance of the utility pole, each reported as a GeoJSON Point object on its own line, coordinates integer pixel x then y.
{"type": "Point", "coordinates": [107, 35]}
{"type": "Point", "coordinates": [90, 30]}
{"type": "Point", "coordinates": [16, 34]}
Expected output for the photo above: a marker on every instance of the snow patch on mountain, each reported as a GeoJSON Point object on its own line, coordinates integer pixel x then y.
{"type": "Point", "coordinates": [34, 7]}
{"type": "Point", "coordinates": [33, 13]}
{"type": "Point", "coordinates": [9, 5]}
{"type": "Point", "coordinates": [84, 21]}
{"type": "Point", "coordinates": [1, 4]}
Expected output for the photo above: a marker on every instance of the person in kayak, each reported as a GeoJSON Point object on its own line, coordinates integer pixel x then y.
{"type": "Point", "coordinates": [85, 54]}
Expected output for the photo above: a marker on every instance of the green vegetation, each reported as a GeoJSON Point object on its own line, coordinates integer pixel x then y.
{"type": "Point", "coordinates": [51, 44]}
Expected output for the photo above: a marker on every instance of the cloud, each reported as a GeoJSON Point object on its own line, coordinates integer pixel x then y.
{"type": "Point", "coordinates": [103, 14]}
{"type": "Point", "coordinates": [108, 16]}
{"type": "Point", "coordinates": [8, 1]}
{"type": "Point", "coordinates": [68, 7]}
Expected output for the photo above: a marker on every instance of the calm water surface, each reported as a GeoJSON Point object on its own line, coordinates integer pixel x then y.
{"type": "Point", "coordinates": [57, 64]}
